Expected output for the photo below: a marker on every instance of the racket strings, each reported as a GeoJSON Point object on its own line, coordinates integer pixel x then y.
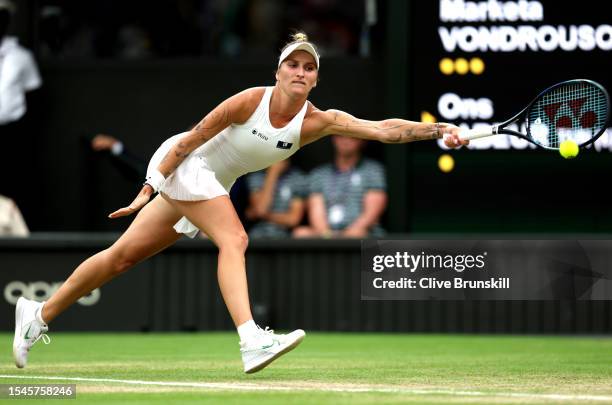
{"type": "Point", "coordinates": [574, 111]}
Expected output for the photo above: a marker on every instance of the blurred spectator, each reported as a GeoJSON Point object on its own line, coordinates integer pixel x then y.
{"type": "Point", "coordinates": [19, 76]}
{"type": "Point", "coordinates": [133, 167]}
{"type": "Point", "coordinates": [264, 24]}
{"type": "Point", "coordinates": [276, 200]}
{"type": "Point", "coordinates": [11, 220]}
{"type": "Point", "coordinates": [18, 70]}
{"type": "Point", "coordinates": [140, 29]}
{"type": "Point", "coordinates": [347, 197]}
{"type": "Point", "coordinates": [134, 42]}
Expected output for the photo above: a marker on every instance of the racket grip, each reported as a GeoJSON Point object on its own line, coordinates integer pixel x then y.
{"type": "Point", "coordinates": [469, 134]}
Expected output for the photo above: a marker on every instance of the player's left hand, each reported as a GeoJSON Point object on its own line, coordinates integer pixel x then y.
{"type": "Point", "coordinates": [450, 133]}
{"type": "Point", "coordinates": [140, 201]}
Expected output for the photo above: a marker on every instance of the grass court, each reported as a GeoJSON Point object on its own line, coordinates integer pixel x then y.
{"type": "Point", "coordinates": [350, 368]}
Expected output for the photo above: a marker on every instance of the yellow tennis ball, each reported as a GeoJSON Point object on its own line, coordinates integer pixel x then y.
{"type": "Point", "coordinates": [568, 149]}
{"type": "Point", "coordinates": [427, 117]}
{"type": "Point", "coordinates": [446, 163]}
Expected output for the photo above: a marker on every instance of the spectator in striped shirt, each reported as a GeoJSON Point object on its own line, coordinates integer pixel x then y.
{"type": "Point", "coordinates": [347, 197]}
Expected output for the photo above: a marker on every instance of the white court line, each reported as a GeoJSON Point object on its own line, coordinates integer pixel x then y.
{"type": "Point", "coordinates": [323, 388]}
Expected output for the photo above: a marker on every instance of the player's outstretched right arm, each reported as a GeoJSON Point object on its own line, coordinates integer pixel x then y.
{"type": "Point", "coordinates": [394, 130]}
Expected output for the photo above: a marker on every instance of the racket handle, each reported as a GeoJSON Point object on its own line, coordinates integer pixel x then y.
{"type": "Point", "coordinates": [469, 134]}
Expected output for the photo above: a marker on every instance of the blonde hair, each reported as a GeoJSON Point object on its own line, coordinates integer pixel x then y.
{"type": "Point", "coordinates": [299, 36]}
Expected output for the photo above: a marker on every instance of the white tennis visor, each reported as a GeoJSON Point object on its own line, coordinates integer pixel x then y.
{"type": "Point", "coordinates": [299, 46]}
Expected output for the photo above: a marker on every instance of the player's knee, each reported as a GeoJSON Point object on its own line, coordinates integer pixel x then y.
{"type": "Point", "coordinates": [238, 241]}
{"type": "Point", "coordinates": [121, 262]}
{"type": "Point", "coordinates": [242, 241]}
{"type": "Point", "coordinates": [123, 265]}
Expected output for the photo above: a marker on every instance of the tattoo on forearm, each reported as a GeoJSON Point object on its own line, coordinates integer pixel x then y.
{"type": "Point", "coordinates": [205, 129]}
{"type": "Point", "coordinates": [180, 157]}
{"type": "Point", "coordinates": [399, 133]}
{"type": "Point", "coordinates": [411, 134]}
{"type": "Point", "coordinates": [355, 123]}
{"type": "Point", "coordinates": [213, 123]}
{"type": "Point", "coordinates": [180, 150]}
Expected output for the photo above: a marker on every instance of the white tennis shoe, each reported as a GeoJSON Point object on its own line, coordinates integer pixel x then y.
{"type": "Point", "coordinates": [265, 346]}
{"type": "Point", "coordinates": [28, 329]}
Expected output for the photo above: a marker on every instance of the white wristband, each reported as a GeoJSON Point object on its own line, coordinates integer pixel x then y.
{"type": "Point", "coordinates": [155, 179]}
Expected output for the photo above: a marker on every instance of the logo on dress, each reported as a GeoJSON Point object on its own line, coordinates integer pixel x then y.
{"type": "Point", "coordinates": [259, 134]}
{"type": "Point", "coordinates": [284, 145]}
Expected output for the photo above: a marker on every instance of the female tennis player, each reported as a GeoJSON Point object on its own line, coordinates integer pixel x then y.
{"type": "Point", "coordinates": [193, 172]}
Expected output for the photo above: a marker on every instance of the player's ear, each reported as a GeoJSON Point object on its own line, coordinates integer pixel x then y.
{"type": "Point", "coordinates": [276, 74]}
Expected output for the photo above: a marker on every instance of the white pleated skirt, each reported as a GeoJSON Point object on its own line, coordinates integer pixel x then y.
{"type": "Point", "coordinates": [193, 180]}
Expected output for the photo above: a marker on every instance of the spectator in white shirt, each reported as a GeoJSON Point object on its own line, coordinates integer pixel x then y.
{"type": "Point", "coordinates": [18, 71]}
{"type": "Point", "coordinates": [18, 75]}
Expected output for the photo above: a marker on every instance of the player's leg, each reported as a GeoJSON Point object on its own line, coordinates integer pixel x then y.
{"type": "Point", "coordinates": [218, 219]}
{"type": "Point", "coordinates": [150, 232]}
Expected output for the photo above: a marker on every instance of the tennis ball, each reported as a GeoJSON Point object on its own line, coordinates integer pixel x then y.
{"type": "Point", "coordinates": [568, 149]}
{"type": "Point", "coordinates": [446, 163]}
{"type": "Point", "coordinates": [427, 117]}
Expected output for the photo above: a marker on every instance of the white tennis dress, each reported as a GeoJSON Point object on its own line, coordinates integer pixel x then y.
{"type": "Point", "coordinates": [211, 170]}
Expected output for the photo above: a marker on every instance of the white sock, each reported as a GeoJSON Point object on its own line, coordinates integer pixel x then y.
{"type": "Point", "coordinates": [246, 330]}
{"type": "Point", "coordinates": [38, 314]}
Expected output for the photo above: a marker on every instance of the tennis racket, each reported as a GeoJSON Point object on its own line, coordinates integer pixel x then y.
{"type": "Point", "coordinates": [576, 110]}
